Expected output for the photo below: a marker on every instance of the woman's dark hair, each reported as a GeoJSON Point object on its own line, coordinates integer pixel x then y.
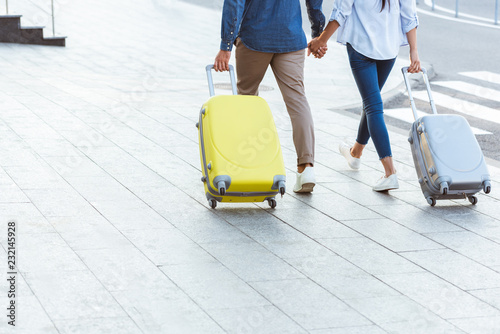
{"type": "Point", "coordinates": [383, 4]}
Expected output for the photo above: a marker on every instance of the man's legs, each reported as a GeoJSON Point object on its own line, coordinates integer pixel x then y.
{"type": "Point", "coordinates": [251, 66]}
{"type": "Point", "coordinates": [288, 69]}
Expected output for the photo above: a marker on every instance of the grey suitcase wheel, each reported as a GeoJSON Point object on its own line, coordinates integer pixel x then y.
{"type": "Point", "coordinates": [272, 203]}
{"type": "Point", "coordinates": [473, 200]}
{"type": "Point", "coordinates": [431, 201]}
{"type": "Point", "coordinates": [444, 188]}
{"type": "Point", "coordinates": [486, 187]}
{"type": "Point", "coordinates": [212, 203]}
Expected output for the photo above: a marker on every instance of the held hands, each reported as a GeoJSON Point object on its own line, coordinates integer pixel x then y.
{"type": "Point", "coordinates": [317, 47]}
{"type": "Point", "coordinates": [414, 62]}
{"type": "Point", "coordinates": [221, 62]}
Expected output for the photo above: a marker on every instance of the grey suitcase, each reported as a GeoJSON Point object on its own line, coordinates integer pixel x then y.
{"type": "Point", "coordinates": [448, 159]}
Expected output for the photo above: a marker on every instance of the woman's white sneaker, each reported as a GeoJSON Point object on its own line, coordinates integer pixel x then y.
{"type": "Point", "coordinates": [345, 150]}
{"type": "Point", "coordinates": [305, 181]}
{"type": "Point", "coordinates": [387, 183]}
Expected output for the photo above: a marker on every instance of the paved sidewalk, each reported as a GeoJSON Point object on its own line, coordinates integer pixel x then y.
{"type": "Point", "coordinates": [100, 171]}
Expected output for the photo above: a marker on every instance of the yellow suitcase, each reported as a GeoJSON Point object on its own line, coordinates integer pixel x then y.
{"type": "Point", "coordinates": [240, 152]}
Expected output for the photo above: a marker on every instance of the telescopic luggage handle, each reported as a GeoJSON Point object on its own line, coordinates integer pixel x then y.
{"type": "Point", "coordinates": [211, 88]}
{"type": "Point", "coordinates": [408, 87]}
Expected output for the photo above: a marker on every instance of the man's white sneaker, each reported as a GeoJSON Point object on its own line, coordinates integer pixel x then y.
{"type": "Point", "coordinates": [353, 162]}
{"type": "Point", "coordinates": [305, 181]}
{"type": "Point", "coordinates": [387, 183]}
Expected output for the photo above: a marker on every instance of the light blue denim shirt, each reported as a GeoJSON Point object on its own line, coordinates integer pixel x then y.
{"type": "Point", "coordinates": [375, 34]}
{"type": "Point", "coordinates": [269, 25]}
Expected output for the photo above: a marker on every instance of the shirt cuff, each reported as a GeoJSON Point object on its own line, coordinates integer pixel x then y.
{"type": "Point", "coordinates": [226, 45]}
{"type": "Point", "coordinates": [410, 25]}
{"type": "Point", "coordinates": [338, 16]}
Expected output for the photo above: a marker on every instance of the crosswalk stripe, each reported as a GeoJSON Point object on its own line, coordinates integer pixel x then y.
{"type": "Point", "coordinates": [406, 115]}
{"type": "Point", "coordinates": [462, 106]}
{"type": "Point", "coordinates": [480, 91]}
{"type": "Point", "coordinates": [483, 75]}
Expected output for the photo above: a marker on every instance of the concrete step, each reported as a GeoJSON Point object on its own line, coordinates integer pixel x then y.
{"type": "Point", "coordinates": [12, 32]}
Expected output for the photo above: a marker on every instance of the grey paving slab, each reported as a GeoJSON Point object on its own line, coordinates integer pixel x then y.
{"type": "Point", "coordinates": [456, 269]}
{"type": "Point", "coordinates": [439, 296]}
{"type": "Point", "coordinates": [73, 295]}
{"type": "Point", "coordinates": [315, 224]}
{"type": "Point", "coordinates": [167, 246]}
{"type": "Point", "coordinates": [233, 293]}
{"type": "Point", "coordinates": [27, 217]}
{"type": "Point", "coordinates": [61, 202]}
{"type": "Point", "coordinates": [30, 317]}
{"type": "Point", "coordinates": [199, 272]}
{"type": "Point", "coordinates": [261, 319]}
{"type": "Point", "coordinates": [341, 278]}
{"type": "Point", "coordinates": [392, 235]}
{"type": "Point", "coordinates": [383, 310]}
{"type": "Point", "coordinates": [363, 194]}
{"type": "Point", "coordinates": [309, 304]}
{"type": "Point", "coordinates": [165, 310]}
{"type": "Point", "coordinates": [471, 245]}
{"type": "Point", "coordinates": [76, 231]}
{"type": "Point", "coordinates": [485, 226]}
{"type": "Point", "coordinates": [343, 208]}
{"type": "Point", "coordinates": [422, 326]}
{"type": "Point", "coordinates": [127, 269]}
{"type": "Point", "coordinates": [483, 325]}
{"type": "Point", "coordinates": [251, 261]}
{"type": "Point", "coordinates": [121, 325]}
{"type": "Point", "coordinates": [55, 254]}
{"type": "Point", "coordinates": [74, 166]}
{"type": "Point", "coordinates": [130, 215]}
{"type": "Point", "coordinates": [370, 256]}
{"type": "Point", "coordinates": [205, 226]}
{"type": "Point", "coordinates": [415, 219]}
{"type": "Point", "coordinates": [100, 188]}
{"type": "Point", "coordinates": [35, 176]}
{"type": "Point", "coordinates": [12, 194]}
{"type": "Point", "coordinates": [350, 330]}
{"type": "Point", "coordinates": [490, 296]}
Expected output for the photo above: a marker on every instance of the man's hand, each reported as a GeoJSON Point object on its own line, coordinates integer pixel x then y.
{"type": "Point", "coordinates": [221, 63]}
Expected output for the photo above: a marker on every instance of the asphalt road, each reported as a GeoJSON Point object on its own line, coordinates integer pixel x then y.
{"type": "Point", "coordinates": [453, 47]}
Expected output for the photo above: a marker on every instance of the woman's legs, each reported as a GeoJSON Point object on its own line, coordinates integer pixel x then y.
{"type": "Point", "coordinates": [370, 76]}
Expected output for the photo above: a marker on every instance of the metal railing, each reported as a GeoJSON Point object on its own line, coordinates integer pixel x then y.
{"type": "Point", "coordinates": [52, 14]}
{"type": "Point", "coordinates": [457, 10]}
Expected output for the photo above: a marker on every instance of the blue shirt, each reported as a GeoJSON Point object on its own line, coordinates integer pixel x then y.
{"type": "Point", "coordinates": [373, 33]}
{"type": "Point", "coordinates": [269, 25]}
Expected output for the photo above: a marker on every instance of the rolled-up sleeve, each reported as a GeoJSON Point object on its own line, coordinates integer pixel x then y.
{"type": "Point", "coordinates": [316, 16]}
{"type": "Point", "coordinates": [341, 10]}
{"type": "Point", "coordinates": [232, 13]}
{"type": "Point", "coordinates": [409, 18]}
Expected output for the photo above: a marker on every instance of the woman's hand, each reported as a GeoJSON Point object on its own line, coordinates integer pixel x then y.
{"type": "Point", "coordinates": [317, 47]}
{"type": "Point", "coordinates": [414, 62]}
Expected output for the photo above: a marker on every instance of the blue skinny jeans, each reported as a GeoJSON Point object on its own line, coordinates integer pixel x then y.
{"type": "Point", "coordinates": [371, 75]}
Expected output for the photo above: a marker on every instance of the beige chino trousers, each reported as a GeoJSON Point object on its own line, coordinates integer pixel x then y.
{"type": "Point", "coordinates": [288, 69]}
